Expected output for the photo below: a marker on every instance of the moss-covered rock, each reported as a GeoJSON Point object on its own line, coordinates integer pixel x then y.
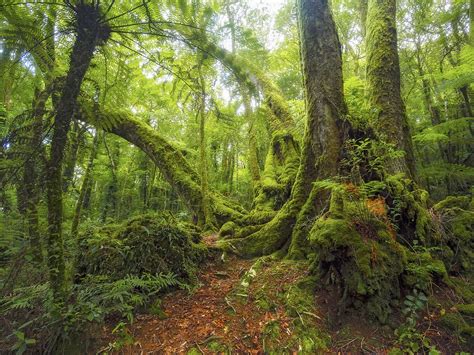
{"type": "Point", "coordinates": [155, 243]}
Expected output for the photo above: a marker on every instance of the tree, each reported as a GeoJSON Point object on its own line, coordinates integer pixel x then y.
{"type": "Point", "coordinates": [325, 131]}
{"type": "Point", "coordinates": [383, 82]}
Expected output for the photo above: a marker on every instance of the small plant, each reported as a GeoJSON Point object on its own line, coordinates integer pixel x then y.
{"type": "Point", "coordinates": [410, 340]}
{"type": "Point", "coordinates": [22, 343]}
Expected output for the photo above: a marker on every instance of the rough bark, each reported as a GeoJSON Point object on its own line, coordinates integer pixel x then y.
{"type": "Point", "coordinates": [383, 84]}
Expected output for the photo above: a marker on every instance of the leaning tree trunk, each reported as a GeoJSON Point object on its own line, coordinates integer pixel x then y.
{"type": "Point", "coordinates": [169, 160]}
{"type": "Point", "coordinates": [90, 33]}
{"type": "Point", "coordinates": [383, 84]}
{"type": "Point", "coordinates": [323, 139]}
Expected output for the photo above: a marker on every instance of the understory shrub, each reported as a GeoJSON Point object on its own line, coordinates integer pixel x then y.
{"type": "Point", "coordinates": [152, 244]}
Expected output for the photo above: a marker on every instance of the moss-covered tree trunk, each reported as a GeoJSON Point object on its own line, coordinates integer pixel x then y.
{"type": "Point", "coordinates": [323, 139]}
{"type": "Point", "coordinates": [89, 32]}
{"type": "Point", "coordinates": [383, 84]}
{"type": "Point", "coordinates": [170, 161]}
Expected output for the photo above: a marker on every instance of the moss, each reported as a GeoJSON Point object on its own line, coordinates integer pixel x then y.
{"type": "Point", "coordinates": [154, 243]}
{"type": "Point", "coordinates": [455, 322]}
{"type": "Point", "coordinates": [453, 201]}
{"type": "Point", "coordinates": [157, 309]}
{"type": "Point", "coordinates": [281, 166]}
{"type": "Point", "coordinates": [270, 238]}
{"type": "Point", "coordinates": [409, 210]}
{"type": "Point", "coordinates": [458, 228]}
{"type": "Point", "coordinates": [421, 269]}
{"type": "Point", "coordinates": [383, 85]}
{"type": "Point", "coordinates": [227, 229]}
{"type": "Point", "coordinates": [365, 270]}
{"type": "Point", "coordinates": [466, 309]}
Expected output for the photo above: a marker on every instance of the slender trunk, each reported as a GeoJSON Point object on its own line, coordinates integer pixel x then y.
{"type": "Point", "coordinates": [89, 32]}
{"type": "Point", "coordinates": [110, 201]}
{"type": "Point", "coordinates": [252, 140]}
{"type": "Point", "coordinates": [75, 142]}
{"type": "Point", "coordinates": [383, 79]}
{"type": "Point", "coordinates": [427, 97]}
{"type": "Point", "coordinates": [86, 182]}
{"type": "Point", "coordinates": [207, 220]}
{"type": "Point", "coordinates": [30, 177]}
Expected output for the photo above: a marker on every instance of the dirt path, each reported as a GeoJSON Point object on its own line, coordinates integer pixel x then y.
{"type": "Point", "coordinates": [203, 317]}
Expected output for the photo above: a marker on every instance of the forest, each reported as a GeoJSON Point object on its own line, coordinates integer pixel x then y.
{"type": "Point", "coordinates": [236, 176]}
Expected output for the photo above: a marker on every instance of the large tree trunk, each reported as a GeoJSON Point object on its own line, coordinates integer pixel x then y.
{"type": "Point", "coordinates": [324, 135]}
{"type": "Point", "coordinates": [89, 33]}
{"type": "Point", "coordinates": [383, 81]}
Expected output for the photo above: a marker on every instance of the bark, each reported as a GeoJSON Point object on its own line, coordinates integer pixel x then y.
{"type": "Point", "coordinates": [89, 34]}
{"type": "Point", "coordinates": [383, 83]}
{"type": "Point", "coordinates": [75, 142]}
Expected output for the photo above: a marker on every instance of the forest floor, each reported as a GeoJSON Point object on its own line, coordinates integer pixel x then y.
{"type": "Point", "coordinates": [245, 306]}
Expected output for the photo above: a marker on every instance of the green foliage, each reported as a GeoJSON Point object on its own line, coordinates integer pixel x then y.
{"type": "Point", "coordinates": [410, 340]}
{"type": "Point", "coordinates": [145, 244]}
{"type": "Point", "coordinates": [91, 301]}
{"type": "Point", "coordinates": [368, 158]}
{"type": "Point", "coordinates": [22, 343]}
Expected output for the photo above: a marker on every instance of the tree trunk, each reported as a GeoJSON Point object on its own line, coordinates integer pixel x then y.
{"type": "Point", "coordinates": [89, 33]}
{"type": "Point", "coordinates": [207, 220]}
{"type": "Point", "coordinates": [383, 83]}
{"type": "Point", "coordinates": [84, 187]}
{"type": "Point", "coordinates": [30, 176]}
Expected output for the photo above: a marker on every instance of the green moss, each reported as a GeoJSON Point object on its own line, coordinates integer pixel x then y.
{"type": "Point", "coordinates": [270, 238]}
{"type": "Point", "coordinates": [157, 309]}
{"type": "Point", "coordinates": [466, 309]}
{"type": "Point", "coordinates": [366, 270]}
{"type": "Point", "coordinates": [455, 322]}
{"type": "Point", "coordinates": [453, 201]}
{"type": "Point", "coordinates": [281, 167]}
{"type": "Point", "coordinates": [227, 229]}
{"type": "Point", "coordinates": [421, 269]}
{"type": "Point", "coordinates": [408, 210]}
{"type": "Point", "coordinates": [458, 228]}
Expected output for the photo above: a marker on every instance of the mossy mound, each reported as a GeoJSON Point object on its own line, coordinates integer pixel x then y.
{"type": "Point", "coordinates": [152, 244]}
{"type": "Point", "coordinates": [457, 221]}
{"type": "Point", "coordinates": [365, 270]}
